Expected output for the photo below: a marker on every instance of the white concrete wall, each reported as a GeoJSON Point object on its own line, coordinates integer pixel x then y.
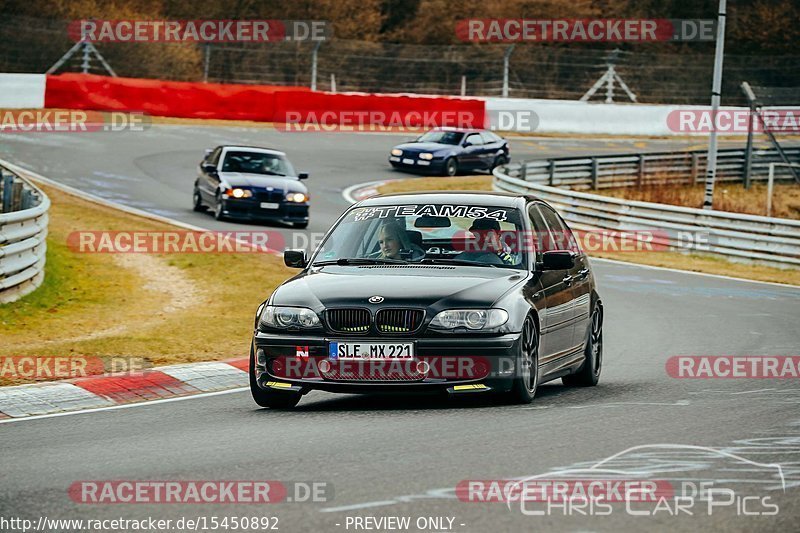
{"type": "Point", "coordinates": [569, 116]}
{"type": "Point", "coordinates": [22, 91]}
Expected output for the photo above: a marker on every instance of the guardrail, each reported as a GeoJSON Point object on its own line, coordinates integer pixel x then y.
{"type": "Point", "coordinates": [23, 232]}
{"type": "Point", "coordinates": [771, 241]}
{"type": "Point", "coordinates": [628, 170]}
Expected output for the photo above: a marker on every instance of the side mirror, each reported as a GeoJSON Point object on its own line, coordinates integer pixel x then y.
{"type": "Point", "coordinates": [467, 144]}
{"type": "Point", "coordinates": [208, 151]}
{"type": "Point", "coordinates": [558, 260]}
{"type": "Point", "coordinates": [295, 258]}
{"type": "Point", "coordinates": [302, 176]}
{"type": "Point", "coordinates": [210, 168]}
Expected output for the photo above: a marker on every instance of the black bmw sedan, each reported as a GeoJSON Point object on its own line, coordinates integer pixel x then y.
{"type": "Point", "coordinates": [464, 293]}
{"type": "Point", "coordinates": [245, 182]}
{"type": "Point", "coordinates": [449, 151]}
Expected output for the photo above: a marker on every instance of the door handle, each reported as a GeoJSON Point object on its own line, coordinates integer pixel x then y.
{"type": "Point", "coordinates": [567, 280]}
{"type": "Point", "coordinates": [584, 273]}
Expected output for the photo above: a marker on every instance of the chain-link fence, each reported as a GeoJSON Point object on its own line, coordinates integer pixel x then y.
{"type": "Point", "coordinates": [535, 70]}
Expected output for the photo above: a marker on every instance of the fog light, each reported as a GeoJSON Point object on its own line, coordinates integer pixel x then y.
{"type": "Point", "coordinates": [324, 366]}
{"type": "Point", "coordinates": [261, 357]}
{"type": "Point", "coordinates": [423, 367]}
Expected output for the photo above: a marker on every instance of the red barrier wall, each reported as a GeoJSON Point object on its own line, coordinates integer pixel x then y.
{"type": "Point", "coordinates": [263, 103]}
{"type": "Point", "coordinates": [163, 98]}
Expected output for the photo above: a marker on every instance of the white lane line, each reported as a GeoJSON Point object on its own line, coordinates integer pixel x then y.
{"type": "Point", "coordinates": [126, 406]}
{"type": "Point", "coordinates": [719, 276]}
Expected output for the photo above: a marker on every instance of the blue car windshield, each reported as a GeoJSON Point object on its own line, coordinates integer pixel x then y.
{"type": "Point", "coordinates": [442, 137]}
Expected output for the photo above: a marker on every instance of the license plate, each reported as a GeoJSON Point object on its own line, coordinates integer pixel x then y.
{"type": "Point", "coordinates": [408, 161]}
{"type": "Point", "coordinates": [269, 205]}
{"type": "Point", "coordinates": [371, 350]}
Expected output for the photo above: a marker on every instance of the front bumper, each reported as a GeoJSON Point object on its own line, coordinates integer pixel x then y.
{"type": "Point", "coordinates": [417, 165]}
{"type": "Point", "coordinates": [250, 209]}
{"type": "Point", "coordinates": [296, 363]}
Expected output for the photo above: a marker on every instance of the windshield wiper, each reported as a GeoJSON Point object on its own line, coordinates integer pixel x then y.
{"type": "Point", "coordinates": [444, 261]}
{"type": "Point", "coordinates": [271, 173]}
{"type": "Point", "coordinates": [361, 261]}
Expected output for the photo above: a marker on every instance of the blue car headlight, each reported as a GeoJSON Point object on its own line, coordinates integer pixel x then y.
{"type": "Point", "coordinates": [474, 319]}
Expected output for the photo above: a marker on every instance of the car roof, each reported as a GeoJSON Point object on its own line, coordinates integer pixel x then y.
{"type": "Point", "coordinates": [257, 149]}
{"type": "Point", "coordinates": [458, 130]}
{"type": "Point", "coordinates": [497, 199]}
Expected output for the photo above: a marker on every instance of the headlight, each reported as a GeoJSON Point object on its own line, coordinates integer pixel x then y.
{"type": "Point", "coordinates": [397, 151]}
{"type": "Point", "coordinates": [296, 197]}
{"type": "Point", "coordinates": [289, 317]}
{"type": "Point", "coordinates": [470, 319]}
{"type": "Point", "coordinates": [426, 156]}
{"type": "Point", "coordinates": [239, 193]}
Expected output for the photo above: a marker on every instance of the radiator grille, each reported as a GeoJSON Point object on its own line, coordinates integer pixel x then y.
{"type": "Point", "coordinates": [348, 320]}
{"type": "Point", "coordinates": [399, 320]}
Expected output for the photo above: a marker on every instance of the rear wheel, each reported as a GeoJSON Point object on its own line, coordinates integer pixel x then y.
{"type": "Point", "coordinates": [526, 380]}
{"type": "Point", "coordinates": [197, 201]}
{"type": "Point", "coordinates": [451, 167]}
{"type": "Point", "coordinates": [589, 374]}
{"type": "Point", "coordinates": [270, 398]}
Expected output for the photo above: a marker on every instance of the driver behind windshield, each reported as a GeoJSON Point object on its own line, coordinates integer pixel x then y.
{"type": "Point", "coordinates": [395, 244]}
{"type": "Point", "coordinates": [487, 235]}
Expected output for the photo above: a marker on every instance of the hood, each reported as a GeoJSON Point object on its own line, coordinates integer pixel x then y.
{"type": "Point", "coordinates": [430, 286]}
{"type": "Point", "coordinates": [425, 147]}
{"type": "Point", "coordinates": [283, 183]}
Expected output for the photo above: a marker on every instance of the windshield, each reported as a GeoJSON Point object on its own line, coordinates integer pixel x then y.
{"type": "Point", "coordinates": [426, 233]}
{"type": "Point", "coordinates": [441, 137]}
{"type": "Point", "coordinates": [257, 163]}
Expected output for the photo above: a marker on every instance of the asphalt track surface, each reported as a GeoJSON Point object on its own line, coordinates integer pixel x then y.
{"type": "Point", "coordinates": [401, 455]}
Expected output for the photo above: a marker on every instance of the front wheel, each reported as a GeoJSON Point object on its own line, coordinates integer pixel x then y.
{"type": "Point", "coordinates": [269, 398]}
{"type": "Point", "coordinates": [526, 379]}
{"type": "Point", "coordinates": [197, 201]}
{"type": "Point", "coordinates": [218, 208]}
{"type": "Point", "coordinates": [498, 161]}
{"type": "Point", "coordinates": [451, 167]}
{"type": "Point", "coordinates": [589, 374]}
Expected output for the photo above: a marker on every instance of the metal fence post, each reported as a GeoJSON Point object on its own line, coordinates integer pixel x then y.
{"type": "Point", "coordinates": [206, 60]}
{"type": "Point", "coordinates": [748, 151]}
{"type": "Point", "coordinates": [523, 171]}
{"type": "Point", "coordinates": [27, 199]}
{"type": "Point", "coordinates": [640, 178]}
{"type": "Point", "coordinates": [8, 191]}
{"type": "Point", "coordinates": [506, 59]}
{"type": "Point", "coordinates": [314, 65]}
{"type": "Point", "coordinates": [595, 165]}
{"type": "Point", "coordinates": [552, 176]}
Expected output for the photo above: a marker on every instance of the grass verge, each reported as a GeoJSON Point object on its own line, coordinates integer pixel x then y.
{"type": "Point", "coordinates": [691, 262]}
{"type": "Point", "coordinates": [165, 308]}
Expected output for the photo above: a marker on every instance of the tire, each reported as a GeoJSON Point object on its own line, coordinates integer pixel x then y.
{"type": "Point", "coordinates": [450, 167]}
{"type": "Point", "coordinates": [197, 202]}
{"type": "Point", "coordinates": [499, 160]}
{"type": "Point", "coordinates": [218, 209]}
{"type": "Point", "coordinates": [526, 378]}
{"type": "Point", "coordinates": [589, 373]}
{"type": "Point", "coordinates": [300, 225]}
{"type": "Point", "coordinates": [269, 398]}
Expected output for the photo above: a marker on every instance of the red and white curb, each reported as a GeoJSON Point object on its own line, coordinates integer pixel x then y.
{"type": "Point", "coordinates": [95, 392]}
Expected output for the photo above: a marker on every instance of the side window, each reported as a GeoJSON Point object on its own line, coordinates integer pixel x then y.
{"type": "Point", "coordinates": [561, 234]}
{"type": "Point", "coordinates": [541, 239]}
{"type": "Point", "coordinates": [475, 139]}
{"type": "Point", "coordinates": [489, 137]}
